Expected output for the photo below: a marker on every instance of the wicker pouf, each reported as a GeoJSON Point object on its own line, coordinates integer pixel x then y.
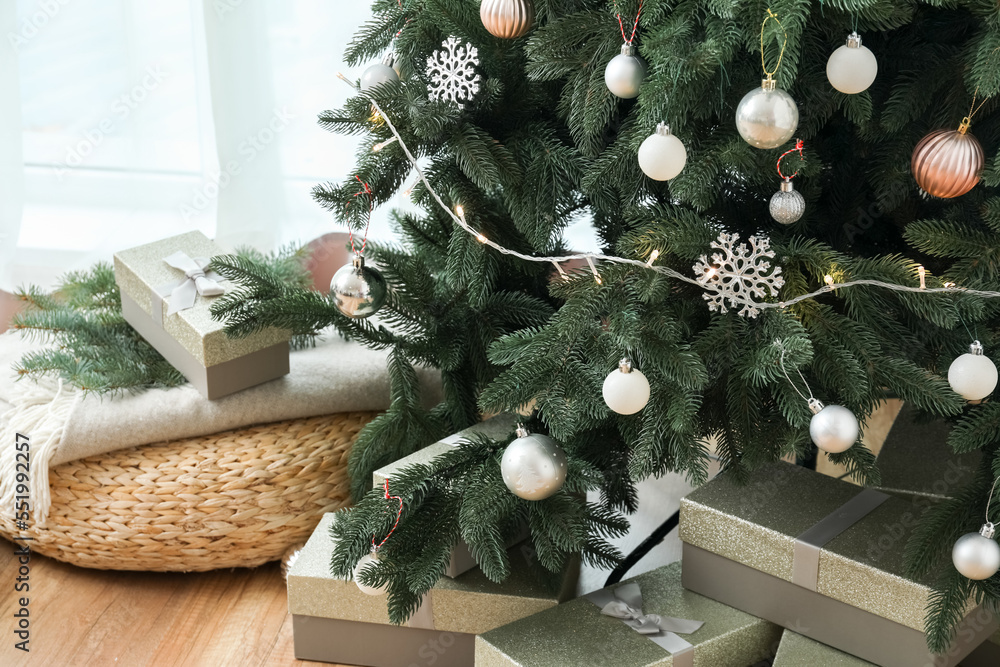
{"type": "Point", "coordinates": [234, 499]}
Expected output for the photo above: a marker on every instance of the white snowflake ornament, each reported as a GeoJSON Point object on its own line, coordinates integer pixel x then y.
{"type": "Point", "coordinates": [739, 274]}
{"type": "Point", "coordinates": [452, 72]}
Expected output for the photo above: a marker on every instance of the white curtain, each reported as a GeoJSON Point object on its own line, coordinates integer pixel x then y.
{"type": "Point", "coordinates": [248, 125]}
{"type": "Point", "coordinates": [11, 160]}
{"type": "Point", "coordinates": [125, 121]}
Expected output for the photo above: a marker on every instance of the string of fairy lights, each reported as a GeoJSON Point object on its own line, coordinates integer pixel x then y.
{"type": "Point", "coordinates": [458, 215]}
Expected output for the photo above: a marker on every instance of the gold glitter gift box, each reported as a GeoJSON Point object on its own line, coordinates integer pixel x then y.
{"type": "Point", "coordinates": [578, 633]}
{"type": "Point", "coordinates": [333, 621]}
{"type": "Point", "coordinates": [190, 339]}
{"type": "Point", "coordinates": [498, 428]}
{"type": "Point", "coordinates": [797, 651]}
{"type": "Point", "coordinates": [821, 557]}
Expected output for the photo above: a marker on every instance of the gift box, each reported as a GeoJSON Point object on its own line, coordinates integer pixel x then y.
{"type": "Point", "coordinates": [917, 464]}
{"type": "Point", "coordinates": [167, 295]}
{"type": "Point", "coordinates": [647, 621]}
{"type": "Point", "coordinates": [333, 621]}
{"type": "Point", "coordinates": [819, 556]}
{"type": "Point", "coordinates": [796, 651]}
{"type": "Point", "coordinates": [498, 428]}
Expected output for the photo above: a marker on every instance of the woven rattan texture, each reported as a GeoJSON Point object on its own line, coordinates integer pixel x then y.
{"type": "Point", "coordinates": [234, 499]}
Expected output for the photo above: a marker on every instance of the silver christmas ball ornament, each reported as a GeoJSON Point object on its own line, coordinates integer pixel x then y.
{"type": "Point", "coordinates": [767, 116]}
{"type": "Point", "coordinates": [977, 555]}
{"type": "Point", "coordinates": [625, 72]}
{"type": "Point", "coordinates": [533, 465]}
{"type": "Point", "coordinates": [366, 561]}
{"type": "Point", "coordinates": [852, 67]}
{"type": "Point", "coordinates": [787, 204]}
{"type": "Point", "coordinates": [358, 290]}
{"type": "Point", "coordinates": [662, 155]}
{"type": "Point", "coordinates": [626, 390]}
{"type": "Point", "coordinates": [833, 428]}
{"type": "Point", "coordinates": [379, 74]}
{"type": "Point", "coordinates": [973, 376]}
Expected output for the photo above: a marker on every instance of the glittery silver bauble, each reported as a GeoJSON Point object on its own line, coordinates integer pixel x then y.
{"type": "Point", "coordinates": [378, 74]}
{"type": "Point", "coordinates": [362, 564]}
{"type": "Point", "coordinates": [833, 428]}
{"type": "Point", "coordinates": [507, 19]}
{"type": "Point", "coordinates": [359, 290]}
{"type": "Point", "coordinates": [977, 555]}
{"type": "Point", "coordinates": [533, 465]}
{"type": "Point", "coordinates": [625, 72]}
{"type": "Point", "coordinates": [626, 390]}
{"type": "Point", "coordinates": [787, 204]}
{"type": "Point", "coordinates": [662, 155]}
{"type": "Point", "coordinates": [767, 116]}
{"type": "Point", "coordinates": [973, 376]}
{"type": "Point", "coordinates": [852, 67]}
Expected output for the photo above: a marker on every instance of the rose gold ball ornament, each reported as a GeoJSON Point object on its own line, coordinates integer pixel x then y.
{"type": "Point", "coordinates": [507, 19]}
{"type": "Point", "coordinates": [947, 163]}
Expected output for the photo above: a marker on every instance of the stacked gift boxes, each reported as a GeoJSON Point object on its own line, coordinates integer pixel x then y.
{"type": "Point", "coordinates": [333, 621]}
{"type": "Point", "coordinates": [167, 294]}
{"type": "Point", "coordinates": [819, 556]}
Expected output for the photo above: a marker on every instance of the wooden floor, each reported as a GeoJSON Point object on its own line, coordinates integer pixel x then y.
{"type": "Point", "coordinates": [97, 618]}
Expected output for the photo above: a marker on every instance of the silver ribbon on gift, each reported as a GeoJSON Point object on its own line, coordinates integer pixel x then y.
{"type": "Point", "coordinates": [625, 603]}
{"type": "Point", "coordinates": [183, 294]}
{"type": "Point", "coordinates": [808, 545]}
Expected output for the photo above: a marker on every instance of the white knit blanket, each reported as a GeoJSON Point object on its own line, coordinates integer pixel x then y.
{"type": "Point", "coordinates": [64, 425]}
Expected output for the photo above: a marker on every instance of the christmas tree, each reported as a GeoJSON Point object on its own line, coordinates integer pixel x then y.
{"type": "Point", "coordinates": [518, 135]}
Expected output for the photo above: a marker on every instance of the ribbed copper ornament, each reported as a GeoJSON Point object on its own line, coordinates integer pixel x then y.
{"type": "Point", "coordinates": [507, 18]}
{"type": "Point", "coordinates": [947, 163]}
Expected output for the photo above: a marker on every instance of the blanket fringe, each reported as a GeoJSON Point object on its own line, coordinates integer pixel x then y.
{"type": "Point", "coordinates": [41, 411]}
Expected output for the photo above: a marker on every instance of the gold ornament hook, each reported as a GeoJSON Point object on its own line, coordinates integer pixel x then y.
{"type": "Point", "coordinates": [772, 15]}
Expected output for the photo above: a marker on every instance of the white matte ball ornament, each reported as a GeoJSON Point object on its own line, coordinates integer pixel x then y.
{"type": "Point", "coordinates": [626, 390]}
{"type": "Point", "coordinates": [852, 67]}
{"type": "Point", "coordinates": [362, 564]}
{"type": "Point", "coordinates": [662, 155]}
{"type": "Point", "coordinates": [787, 204]}
{"type": "Point", "coordinates": [833, 428]}
{"type": "Point", "coordinates": [977, 555]}
{"type": "Point", "coordinates": [533, 465]}
{"type": "Point", "coordinates": [624, 73]}
{"type": "Point", "coordinates": [973, 376]}
{"type": "Point", "coordinates": [767, 116]}
{"type": "Point", "coordinates": [378, 74]}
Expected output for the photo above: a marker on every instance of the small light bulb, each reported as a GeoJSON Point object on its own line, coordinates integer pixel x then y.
{"type": "Point", "coordinates": [949, 285]}
{"type": "Point", "coordinates": [481, 238]}
{"type": "Point", "coordinates": [593, 269]}
{"type": "Point", "coordinates": [460, 211]}
{"type": "Point", "coordinates": [828, 279]}
{"type": "Point", "coordinates": [922, 272]}
{"type": "Point", "coordinates": [653, 256]}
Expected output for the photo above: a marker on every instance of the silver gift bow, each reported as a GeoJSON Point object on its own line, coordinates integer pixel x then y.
{"type": "Point", "coordinates": [197, 281]}
{"type": "Point", "coordinates": [628, 607]}
{"type": "Point", "coordinates": [625, 603]}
